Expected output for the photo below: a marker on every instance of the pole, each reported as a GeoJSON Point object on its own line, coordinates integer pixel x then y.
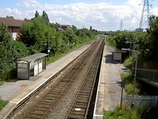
{"type": "Point", "coordinates": [122, 85]}
{"type": "Point", "coordinates": [48, 48]}
{"type": "Point", "coordinates": [135, 76]}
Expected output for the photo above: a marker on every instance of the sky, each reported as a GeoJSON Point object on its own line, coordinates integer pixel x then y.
{"type": "Point", "coordinates": [102, 15]}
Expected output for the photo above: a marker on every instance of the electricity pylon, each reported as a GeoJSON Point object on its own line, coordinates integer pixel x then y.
{"type": "Point", "coordinates": [121, 26]}
{"type": "Point", "coordinates": [145, 13]}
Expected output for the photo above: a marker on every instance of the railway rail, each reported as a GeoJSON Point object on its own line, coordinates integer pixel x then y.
{"type": "Point", "coordinates": [70, 96]}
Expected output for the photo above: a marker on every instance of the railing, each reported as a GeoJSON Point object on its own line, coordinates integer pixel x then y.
{"type": "Point", "coordinates": [151, 77]}
{"type": "Point", "coordinates": [141, 101]}
{"type": "Point", "coordinates": [148, 75]}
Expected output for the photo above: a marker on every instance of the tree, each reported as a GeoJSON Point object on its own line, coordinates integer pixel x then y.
{"type": "Point", "coordinates": [37, 14]}
{"type": "Point", "coordinates": [10, 52]}
{"type": "Point", "coordinates": [4, 34]}
{"type": "Point", "coordinates": [45, 17]}
{"type": "Point", "coordinates": [90, 28]}
{"type": "Point", "coordinates": [153, 32]}
{"type": "Point", "coordinates": [10, 17]}
{"type": "Point", "coordinates": [36, 35]}
{"type": "Point", "coordinates": [55, 25]}
{"type": "Point", "coordinates": [74, 28]}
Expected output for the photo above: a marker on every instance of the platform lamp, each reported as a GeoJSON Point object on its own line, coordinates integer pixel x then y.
{"type": "Point", "coordinates": [135, 75]}
{"type": "Point", "coordinates": [49, 48]}
{"type": "Point", "coordinates": [135, 71]}
{"type": "Point", "coordinates": [130, 42]}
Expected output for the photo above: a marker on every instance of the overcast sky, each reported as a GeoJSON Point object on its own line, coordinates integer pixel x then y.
{"type": "Point", "coordinates": [102, 15]}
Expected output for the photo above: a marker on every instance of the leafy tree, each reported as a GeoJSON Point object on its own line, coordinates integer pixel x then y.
{"type": "Point", "coordinates": [153, 32]}
{"type": "Point", "coordinates": [45, 17]}
{"type": "Point", "coordinates": [4, 34]}
{"type": "Point", "coordinates": [90, 28]}
{"type": "Point", "coordinates": [10, 52]}
{"type": "Point", "coordinates": [10, 17]}
{"type": "Point", "coordinates": [74, 28]}
{"type": "Point", "coordinates": [55, 25]}
{"type": "Point", "coordinates": [69, 37]}
{"type": "Point", "coordinates": [37, 14]}
{"type": "Point", "coordinates": [36, 35]}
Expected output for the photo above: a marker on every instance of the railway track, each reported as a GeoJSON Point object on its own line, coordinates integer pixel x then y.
{"type": "Point", "coordinates": [79, 108]}
{"type": "Point", "coordinates": [70, 97]}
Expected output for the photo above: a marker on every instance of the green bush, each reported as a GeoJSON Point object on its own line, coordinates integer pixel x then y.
{"type": "Point", "coordinates": [129, 62]}
{"type": "Point", "coordinates": [130, 87]}
{"type": "Point", "coordinates": [126, 76]}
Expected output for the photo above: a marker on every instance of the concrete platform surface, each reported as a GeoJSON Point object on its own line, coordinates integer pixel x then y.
{"type": "Point", "coordinates": [109, 87]}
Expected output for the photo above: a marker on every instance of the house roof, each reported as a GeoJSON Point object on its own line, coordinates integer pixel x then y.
{"type": "Point", "coordinates": [65, 26]}
{"type": "Point", "coordinates": [11, 22]}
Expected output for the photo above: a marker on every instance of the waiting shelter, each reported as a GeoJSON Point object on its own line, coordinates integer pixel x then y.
{"type": "Point", "coordinates": [118, 56]}
{"type": "Point", "coordinates": [31, 65]}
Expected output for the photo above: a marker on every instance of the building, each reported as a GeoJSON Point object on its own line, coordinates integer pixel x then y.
{"type": "Point", "coordinates": [64, 27]}
{"type": "Point", "coordinates": [13, 25]}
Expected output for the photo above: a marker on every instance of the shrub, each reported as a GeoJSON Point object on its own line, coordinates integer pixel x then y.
{"type": "Point", "coordinates": [129, 62]}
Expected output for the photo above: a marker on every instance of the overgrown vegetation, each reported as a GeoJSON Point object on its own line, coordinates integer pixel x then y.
{"type": "Point", "coordinates": [147, 113]}
{"type": "Point", "coordinates": [131, 88]}
{"type": "Point", "coordinates": [123, 114]}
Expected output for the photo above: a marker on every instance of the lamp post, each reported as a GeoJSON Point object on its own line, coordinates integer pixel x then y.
{"type": "Point", "coordinates": [49, 48]}
{"type": "Point", "coordinates": [135, 76]}
{"type": "Point", "coordinates": [129, 42]}
{"type": "Point", "coordinates": [135, 71]}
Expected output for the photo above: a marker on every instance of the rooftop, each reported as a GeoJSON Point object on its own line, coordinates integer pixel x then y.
{"type": "Point", "coordinates": [13, 22]}
{"type": "Point", "coordinates": [32, 57]}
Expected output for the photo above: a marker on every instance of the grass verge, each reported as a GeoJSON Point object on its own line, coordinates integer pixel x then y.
{"type": "Point", "coordinates": [123, 114]}
{"type": "Point", "coordinates": [3, 104]}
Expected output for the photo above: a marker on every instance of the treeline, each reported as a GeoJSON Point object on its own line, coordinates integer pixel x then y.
{"type": "Point", "coordinates": [146, 43]}
{"type": "Point", "coordinates": [38, 35]}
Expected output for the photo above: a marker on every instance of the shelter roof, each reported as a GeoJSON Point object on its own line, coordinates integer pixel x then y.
{"type": "Point", "coordinates": [32, 57]}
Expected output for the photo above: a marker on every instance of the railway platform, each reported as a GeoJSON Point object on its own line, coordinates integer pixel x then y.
{"type": "Point", "coordinates": [109, 86]}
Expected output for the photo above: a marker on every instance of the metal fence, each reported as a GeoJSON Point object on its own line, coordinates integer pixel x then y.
{"type": "Point", "coordinates": [150, 76]}
{"type": "Point", "coordinates": [141, 101]}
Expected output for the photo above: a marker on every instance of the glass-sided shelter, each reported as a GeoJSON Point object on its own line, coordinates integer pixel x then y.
{"type": "Point", "coordinates": [31, 65]}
